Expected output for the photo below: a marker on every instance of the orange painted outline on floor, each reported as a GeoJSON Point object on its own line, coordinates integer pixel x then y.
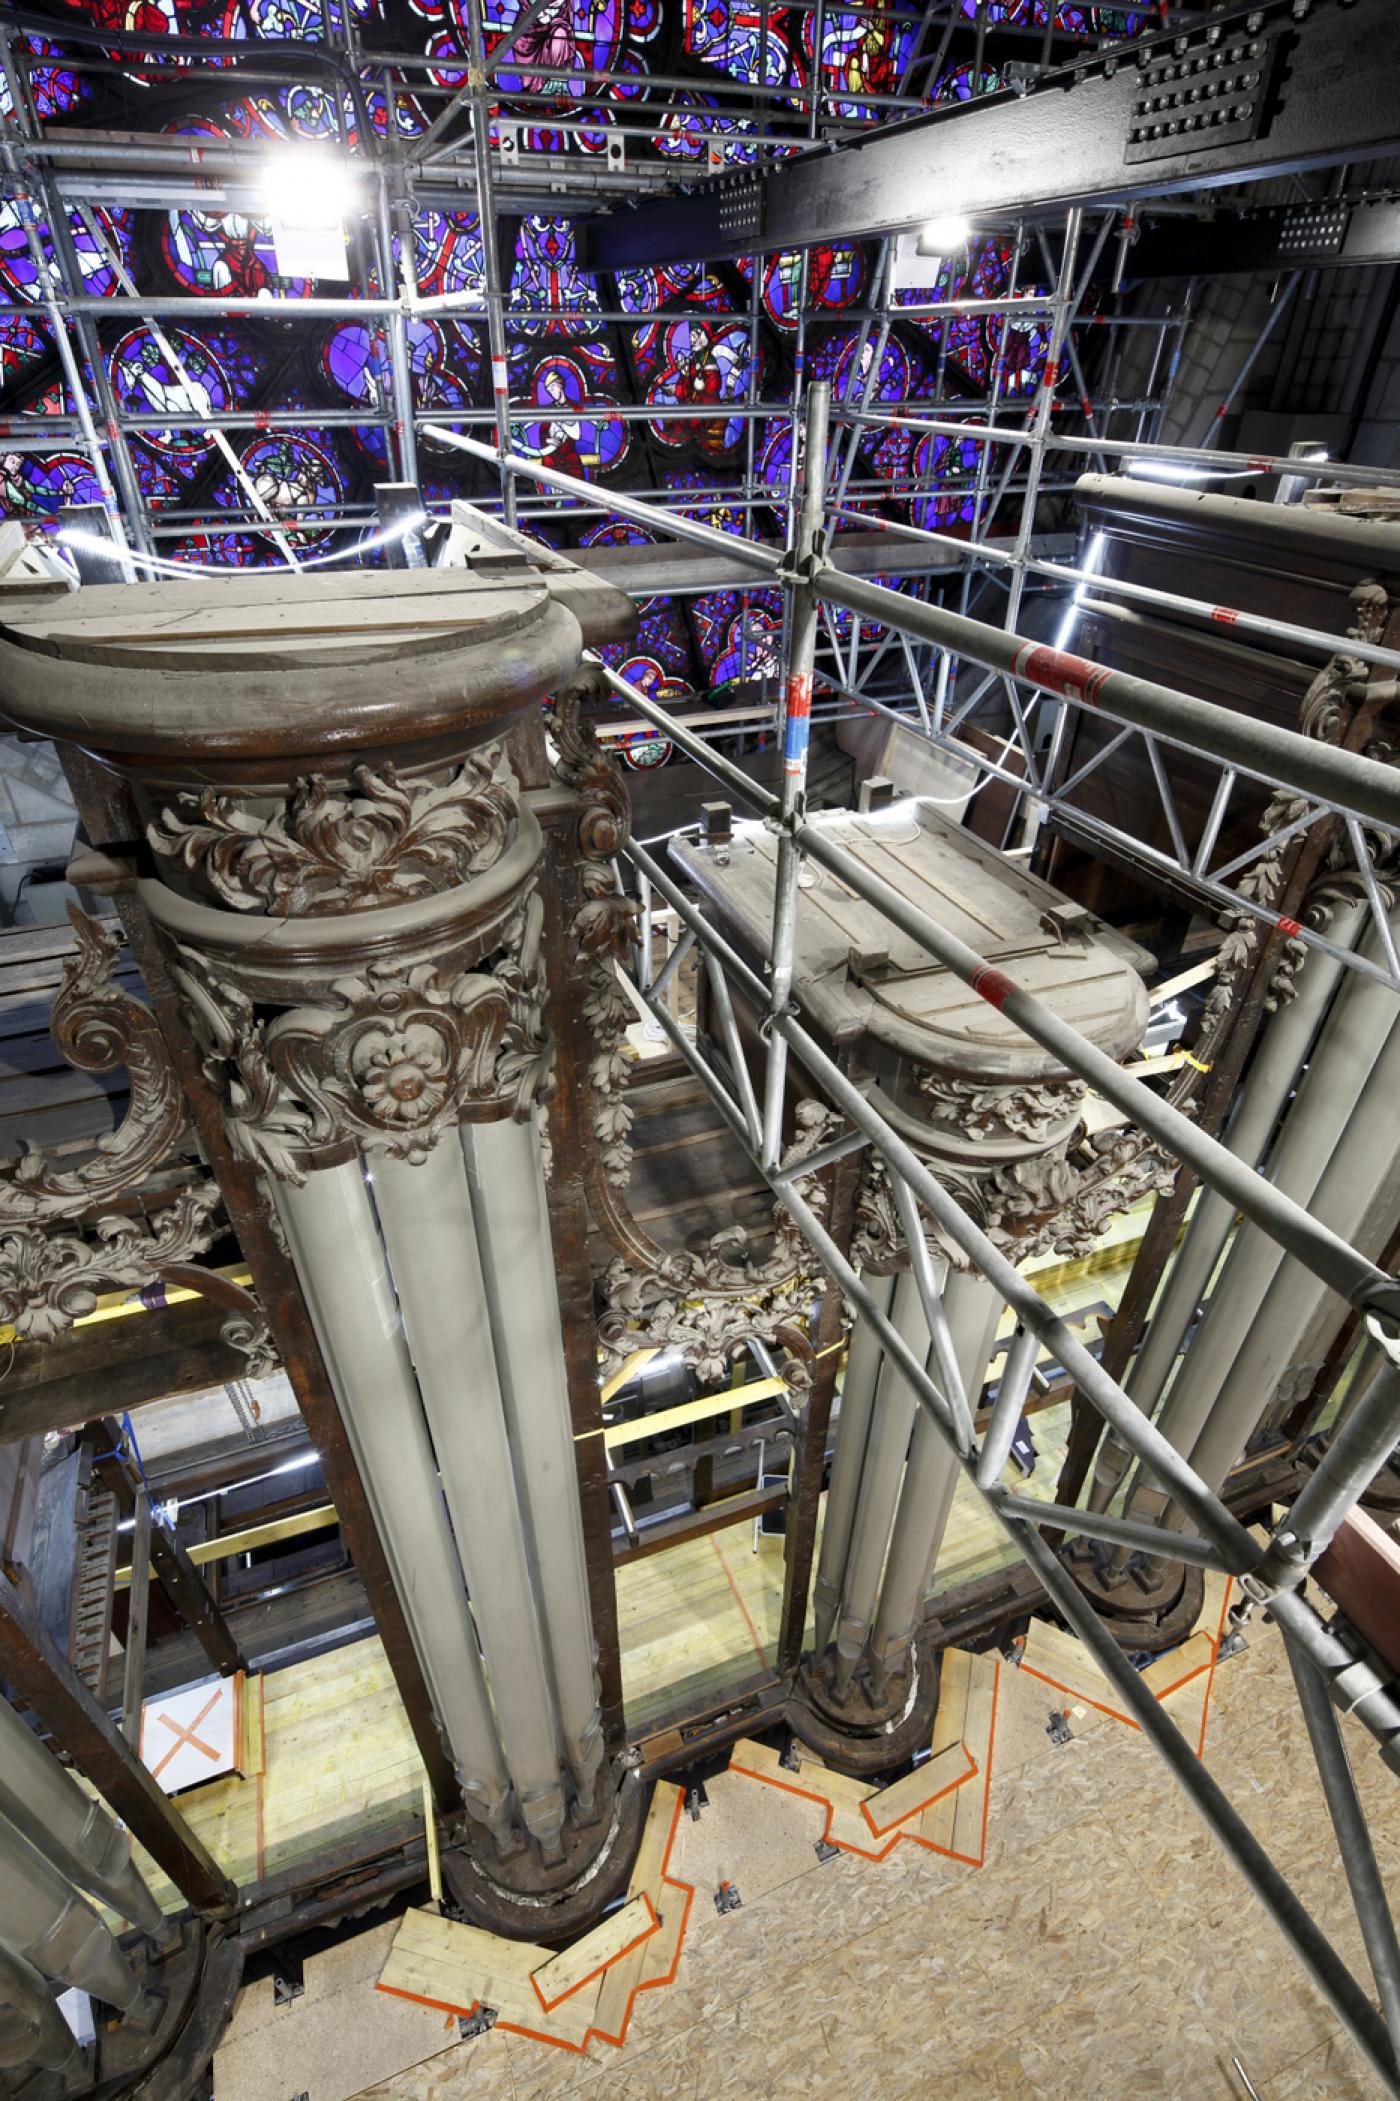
{"type": "Point", "coordinates": [548, 2005]}
{"type": "Point", "coordinates": [1116, 1714]}
{"type": "Point", "coordinates": [647, 1984]}
{"type": "Point", "coordinates": [896, 1831]}
{"type": "Point", "coordinates": [927, 1803]}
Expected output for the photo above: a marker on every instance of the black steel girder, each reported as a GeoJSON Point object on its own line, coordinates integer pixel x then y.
{"type": "Point", "coordinates": [1254, 91]}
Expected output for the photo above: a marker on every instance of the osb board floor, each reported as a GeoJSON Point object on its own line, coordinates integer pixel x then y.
{"type": "Point", "coordinates": [1106, 1948]}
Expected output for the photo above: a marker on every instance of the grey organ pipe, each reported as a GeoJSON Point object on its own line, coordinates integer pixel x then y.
{"type": "Point", "coordinates": [45, 1920]}
{"type": "Point", "coordinates": [1352, 1039]}
{"type": "Point", "coordinates": [426, 1215]}
{"type": "Point", "coordinates": [1360, 1164]}
{"type": "Point", "coordinates": [1271, 1077]}
{"type": "Point", "coordinates": [895, 1409]}
{"type": "Point", "coordinates": [852, 1432]}
{"type": "Point", "coordinates": [973, 1307]}
{"type": "Point", "coordinates": [339, 1259]}
{"type": "Point", "coordinates": [32, 2030]}
{"type": "Point", "coordinates": [509, 1205]}
{"type": "Point", "coordinates": [48, 1807]}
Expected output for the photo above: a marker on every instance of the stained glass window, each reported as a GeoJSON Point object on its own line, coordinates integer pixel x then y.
{"type": "Point", "coordinates": [55, 90]}
{"type": "Point", "coordinates": [208, 252]}
{"type": "Point", "coordinates": [697, 365]}
{"type": "Point", "coordinates": [36, 482]}
{"type": "Point", "coordinates": [695, 122]}
{"type": "Point", "coordinates": [949, 466]}
{"type": "Point", "coordinates": [963, 82]}
{"type": "Point", "coordinates": [547, 281]}
{"type": "Point", "coordinates": [553, 48]}
{"type": "Point", "coordinates": [296, 472]}
{"type": "Point", "coordinates": [147, 382]}
{"type": "Point", "coordinates": [836, 277]}
{"type": "Point", "coordinates": [739, 639]}
{"type": "Point", "coordinates": [447, 254]}
{"type": "Point", "coordinates": [742, 37]}
{"type": "Point", "coordinates": [24, 343]}
{"type": "Point", "coordinates": [18, 272]}
{"type": "Point", "coordinates": [226, 550]}
{"type": "Point", "coordinates": [864, 52]}
{"type": "Point", "coordinates": [572, 433]}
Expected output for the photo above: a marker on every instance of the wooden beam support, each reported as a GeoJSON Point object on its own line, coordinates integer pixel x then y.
{"type": "Point", "coordinates": [137, 1620]}
{"type": "Point", "coordinates": [697, 1524]}
{"type": "Point", "coordinates": [39, 1675]}
{"type": "Point", "coordinates": [144, 1357]}
{"type": "Point", "coordinates": [174, 1569]}
{"type": "Point", "coordinates": [1360, 1572]}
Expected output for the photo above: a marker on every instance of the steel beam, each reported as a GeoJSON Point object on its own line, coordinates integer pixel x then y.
{"type": "Point", "coordinates": [1321, 94]}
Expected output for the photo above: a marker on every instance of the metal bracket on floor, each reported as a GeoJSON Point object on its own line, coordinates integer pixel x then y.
{"type": "Point", "coordinates": [790, 1758]}
{"type": "Point", "coordinates": [696, 1799]}
{"type": "Point", "coordinates": [1058, 1729]}
{"type": "Point", "coordinates": [288, 1983]}
{"type": "Point", "coordinates": [1234, 1644]}
{"type": "Point", "coordinates": [825, 1851]}
{"type": "Point", "coordinates": [476, 2023]}
{"type": "Point", "coordinates": [727, 1898]}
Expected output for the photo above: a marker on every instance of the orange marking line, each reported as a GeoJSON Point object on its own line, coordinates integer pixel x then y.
{"type": "Point", "coordinates": [183, 1735]}
{"type": "Point", "coordinates": [647, 1984]}
{"type": "Point", "coordinates": [636, 1941]}
{"type": "Point", "coordinates": [896, 1832]}
{"type": "Point", "coordinates": [823, 1802]}
{"type": "Point", "coordinates": [738, 1599]}
{"type": "Point", "coordinates": [927, 1803]}
{"type": "Point", "coordinates": [1214, 1659]}
{"type": "Point", "coordinates": [1114, 1713]}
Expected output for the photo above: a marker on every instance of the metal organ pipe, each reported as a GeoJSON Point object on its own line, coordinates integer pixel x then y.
{"type": "Point", "coordinates": [425, 1211]}
{"type": "Point", "coordinates": [1360, 1026]}
{"type": "Point", "coordinates": [32, 2030]}
{"type": "Point", "coordinates": [1271, 1078]}
{"type": "Point", "coordinates": [44, 1920]}
{"type": "Point", "coordinates": [340, 1261]}
{"type": "Point", "coordinates": [1359, 1165]}
{"type": "Point", "coordinates": [973, 1307]}
{"type": "Point", "coordinates": [852, 1434]}
{"type": "Point", "coordinates": [47, 1806]}
{"type": "Point", "coordinates": [506, 1177]}
{"type": "Point", "coordinates": [892, 1425]}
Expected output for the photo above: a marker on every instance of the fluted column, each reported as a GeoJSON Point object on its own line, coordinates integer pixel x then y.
{"type": "Point", "coordinates": [1356, 1034]}
{"type": "Point", "coordinates": [340, 1259]}
{"type": "Point", "coordinates": [863, 1362]}
{"type": "Point", "coordinates": [426, 1214]}
{"type": "Point", "coordinates": [506, 1178]}
{"type": "Point", "coordinates": [973, 1308]}
{"type": "Point", "coordinates": [32, 2030]}
{"type": "Point", "coordinates": [890, 1431]}
{"type": "Point", "coordinates": [1271, 1078]}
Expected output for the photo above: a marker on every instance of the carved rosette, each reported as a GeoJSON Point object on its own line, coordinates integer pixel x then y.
{"type": "Point", "coordinates": [406, 989]}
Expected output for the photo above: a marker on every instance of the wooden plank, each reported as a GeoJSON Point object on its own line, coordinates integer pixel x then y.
{"type": "Point", "coordinates": [697, 1524]}
{"type": "Point", "coordinates": [969, 1804]}
{"type": "Point", "coordinates": [936, 1777]}
{"type": "Point", "coordinates": [1180, 1665]}
{"type": "Point", "coordinates": [587, 1958]}
{"type": "Point", "coordinates": [949, 1728]}
{"type": "Point", "coordinates": [699, 1411]}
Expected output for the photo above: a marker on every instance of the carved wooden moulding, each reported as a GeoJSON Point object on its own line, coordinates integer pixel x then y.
{"type": "Point", "coordinates": [999, 1120]}
{"type": "Point", "coordinates": [336, 846]}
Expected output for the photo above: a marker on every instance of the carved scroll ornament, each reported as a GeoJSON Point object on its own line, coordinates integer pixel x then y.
{"type": "Point", "coordinates": [50, 1279]}
{"type": "Point", "coordinates": [389, 1059]}
{"type": "Point", "coordinates": [347, 850]}
{"type": "Point", "coordinates": [98, 1027]}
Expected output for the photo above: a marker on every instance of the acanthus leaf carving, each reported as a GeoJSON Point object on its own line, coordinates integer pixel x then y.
{"type": "Point", "coordinates": [50, 1279]}
{"type": "Point", "coordinates": [381, 841]}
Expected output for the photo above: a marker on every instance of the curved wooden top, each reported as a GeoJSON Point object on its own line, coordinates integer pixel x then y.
{"type": "Point", "coordinates": [274, 666]}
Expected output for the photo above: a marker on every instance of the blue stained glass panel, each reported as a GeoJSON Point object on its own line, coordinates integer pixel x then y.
{"type": "Point", "coordinates": [547, 280]}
